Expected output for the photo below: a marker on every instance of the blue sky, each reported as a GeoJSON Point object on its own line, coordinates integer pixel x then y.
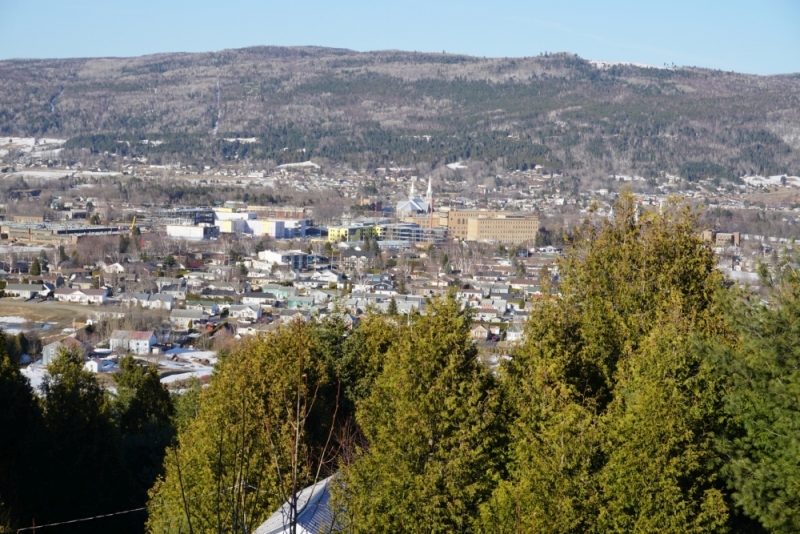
{"type": "Point", "coordinates": [760, 37]}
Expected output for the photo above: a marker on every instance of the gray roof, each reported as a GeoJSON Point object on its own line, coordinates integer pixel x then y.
{"type": "Point", "coordinates": [314, 512]}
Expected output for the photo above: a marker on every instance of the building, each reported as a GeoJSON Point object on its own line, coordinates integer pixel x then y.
{"type": "Point", "coordinates": [457, 221]}
{"type": "Point", "coordinates": [185, 318]}
{"type": "Point", "coordinates": [149, 301]}
{"type": "Point", "coordinates": [27, 291]}
{"type": "Point", "coordinates": [132, 341]}
{"type": "Point", "coordinates": [412, 233]}
{"type": "Point", "coordinates": [314, 513]}
{"type": "Point", "coordinates": [51, 351]}
{"type": "Point", "coordinates": [509, 229]}
{"type": "Point", "coordinates": [80, 296]}
{"type": "Point", "coordinates": [98, 365]}
{"type": "Point", "coordinates": [353, 232]}
{"type": "Point", "coordinates": [250, 312]}
{"type": "Point", "coordinates": [414, 206]}
{"type": "Point", "coordinates": [297, 260]}
{"type": "Point", "coordinates": [192, 232]}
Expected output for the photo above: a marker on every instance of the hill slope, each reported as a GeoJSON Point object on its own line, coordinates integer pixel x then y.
{"type": "Point", "coordinates": [375, 108]}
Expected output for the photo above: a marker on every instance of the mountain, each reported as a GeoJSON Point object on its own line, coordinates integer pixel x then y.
{"type": "Point", "coordinates": [281, 105]}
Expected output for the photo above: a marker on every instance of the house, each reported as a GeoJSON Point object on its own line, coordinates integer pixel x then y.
{"type": "Point", "coordinates": [132, 341]}
{"type": "Point", "coordinates": [51, 351]}
{"type": "Point", "coordinates": [176, 291]}
{"type": "Point", "coordinates": [99, 365]}
{"type": "Point", "coordinates": [27, 291]}
{"type": "Point", "coordinates": [515, 333]}
{"type": "Point", "coordinates": [314, 513]}
{"type": "Point", "coordinates": [262, 299]}
{"type": "Point", "coordinates": [183, 318]}
{"type": "Point", "coordinates": [245, 311]}
{"type": "Point", "coordinates": [479, 332]}
{"type": "Point", "coordinates": [112, 268]}
{"type": "Point", "coordinates": [81, 296]}
{"type": "Point", "coordinates": [208, 307]}
{"type": "Point", "coordinates": [486, 313]}
{"type": "Point", "coordinates": [287, 316]}
{"type": "Point", "coordinates": [299, 303]}
{"type": "Point", "coordinates": [81, 282]}
{"type": "Point", "coordinates": [149, 301]}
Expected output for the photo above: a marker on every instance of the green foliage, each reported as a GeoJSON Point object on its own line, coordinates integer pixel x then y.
{"type": "Point", "coordinates": [434, 425]}
{"type": "Point", "coordinates": [762, 384]}
{"type": "Point", "coordinates": [77, 416]}
{"type": "Point", "coordinates": [21, 433]}
{"type": "Point", "coordinates": [258, 437]}
{"type": "Point", "coordinates": [614, 414]}
{"type": "Point", "coordinates": [36, 268]}
{"type": "Point", "coordinates": [143, 414]}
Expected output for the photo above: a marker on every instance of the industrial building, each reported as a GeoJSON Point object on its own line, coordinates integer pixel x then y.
{"type": "Point", "coordinates": [457, 221]}
{"type": "Point", "coordinates": [509, 229]}
{"type": "Point", "coordinates": [193, 232]}
{"type": "Point", "coordinates": [413, 233]}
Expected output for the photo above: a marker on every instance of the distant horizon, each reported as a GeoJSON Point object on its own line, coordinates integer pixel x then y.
{"type": "Point", "coordinates": [609, 62]}
{"type": "Point", "coordinates": [723, 35]}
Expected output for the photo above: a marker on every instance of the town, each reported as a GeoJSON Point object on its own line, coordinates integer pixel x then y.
{"type": "Point", "coordinates": [179, 283]}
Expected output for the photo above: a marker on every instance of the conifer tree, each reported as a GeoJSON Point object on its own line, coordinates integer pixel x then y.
{"type": "Point", "coordinates": [20, 440]}
{"type": "Point", "coordinates": [762, 381]}
{"type": "Point", "coordinates": [434, 424]}
{"type": "Point", "coordinates": [260, 436]}
{"type": "Point", "coordinates": [572, 380]}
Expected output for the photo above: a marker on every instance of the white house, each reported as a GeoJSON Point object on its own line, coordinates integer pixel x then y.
{"type": "Point", "coordinates": [245, 311]}
{"type": "Point", "coordinates": [149, 301]}
{"type": "Point", "coordinates": [98, 365]}
{"type": "Point", "coordinates": [132, 341]}
{"type": "Point", "coordinates": [182, 318]}
{"type": "Point", "coordinates": [81, 296]}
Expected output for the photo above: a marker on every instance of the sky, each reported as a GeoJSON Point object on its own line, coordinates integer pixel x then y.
{"type": "Point", "coordinates": [756, 37]}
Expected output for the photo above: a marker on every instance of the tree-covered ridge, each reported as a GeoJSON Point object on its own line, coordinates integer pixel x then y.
{"type": "Point", "coordinates": [374, 108]}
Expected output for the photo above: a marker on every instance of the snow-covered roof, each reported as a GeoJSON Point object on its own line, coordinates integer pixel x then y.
{"type": "Point", "coordinates": [314, 514]}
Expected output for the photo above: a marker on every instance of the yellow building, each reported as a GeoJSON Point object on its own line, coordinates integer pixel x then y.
{"type": "Point", "coordinates": [337, 234]}
{"type": "Point", "coordinates": [508, 229]}
{"type": "Point", "coordinates": [457, 221]}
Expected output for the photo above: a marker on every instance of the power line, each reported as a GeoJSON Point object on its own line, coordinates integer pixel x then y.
{"type": "Point", "coordinates": [102, 516]}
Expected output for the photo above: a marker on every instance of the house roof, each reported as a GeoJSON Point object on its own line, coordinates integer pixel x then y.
{"type": "Point", "coordinates": [131, 334]}
{"type": "Point", "coordinates": [314, 512]}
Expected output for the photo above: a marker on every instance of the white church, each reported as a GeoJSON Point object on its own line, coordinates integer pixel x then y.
{"type": "Point", "coordinates": [414, 205]}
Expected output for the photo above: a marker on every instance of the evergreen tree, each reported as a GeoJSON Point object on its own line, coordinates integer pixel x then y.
{"type": "Point", "coordinates": [35, 269]}
{"type": "Point", "coordinates": [762, 381]}
{"type": "Point", "coordinates": [401, 286]}
{"type": "Point", "coordinates": [259, 437]}
{"type": "Point", "coordinates": [21, 433]}
{"type": "Point", "coordinates": [585, 387]}
{"type": "Point", "coordinates": [87, 475]}
{"type": "Point", "coordinates": [143, 412]}
{"type": "Point", "coordinates": [434, 424]}
{"type": "Point", "coordinates": [391, 310]}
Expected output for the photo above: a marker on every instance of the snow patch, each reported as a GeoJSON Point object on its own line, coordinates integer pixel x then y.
{"type": "Point", "coordinates": [244, 140]}
{"type": "Point", "coordinates": [603, 65]}
{"type": "Point", "coordinates": [456, 166]}
{"type": "Point", "coordinates": [303, 164]}
{"type": "Point", "coordinates": [13, 319]}
{"type": "Point", "coordinates": [756, 181]}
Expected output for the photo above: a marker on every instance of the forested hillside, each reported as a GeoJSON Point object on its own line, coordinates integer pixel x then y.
{"type": "Point", "coordinates": [371, 109]}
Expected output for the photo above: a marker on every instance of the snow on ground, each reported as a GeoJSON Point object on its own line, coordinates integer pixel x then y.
{"type": "Point", "coordinates": [13, 319]}
{"type": "Point", "coordinates": [608, 64]}
{"type": "Point", "coordinates": [42, 174]}
{"type": "Point", "coordinates": [242, 139]}
{"type": "Point", "coordinates": [194, 354]}
{"type": "Point", "coordinates": [755, 181]}
{"type": "Point", "coordinates": [185, 376]}
{"type": "Point", "coordinates": [35, 375]}
{"type": "Point", "coordinates": [86, 174]}
{"type": "Point", "coordinates": [455, 166]}
{"type": "Point", "coordinates": [624, 178]}
{"type": "Point", "coordinates": [303, 164]}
